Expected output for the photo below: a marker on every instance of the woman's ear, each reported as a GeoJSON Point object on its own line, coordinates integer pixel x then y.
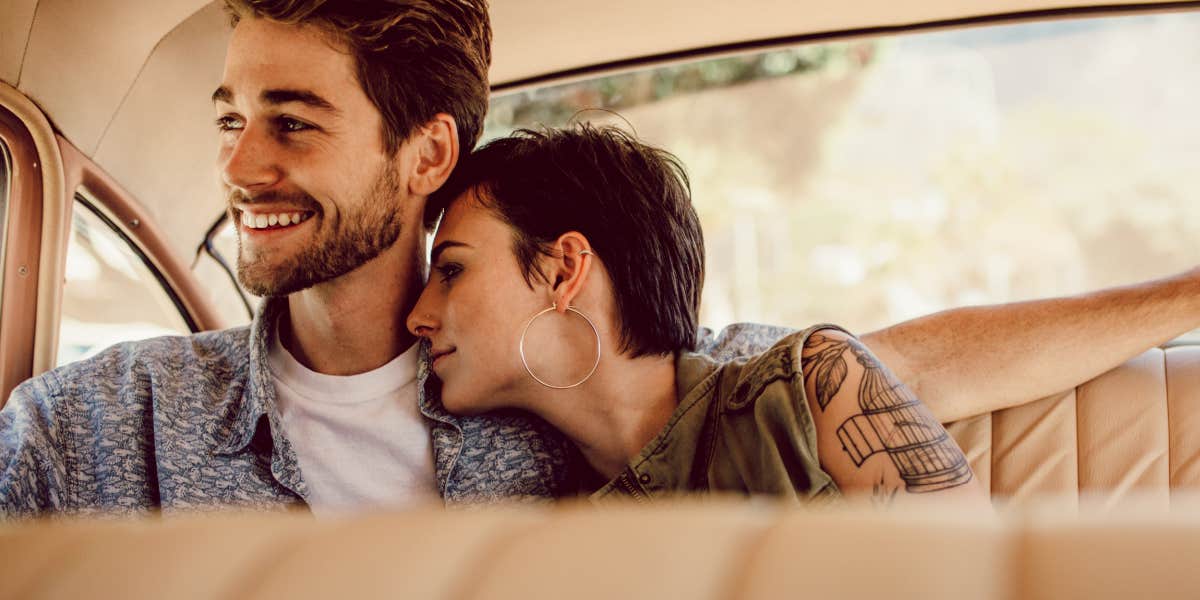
{"type": "Point", "coordinates": [436, 147]}
{"type": "Point", "coordinates": [573, 257]}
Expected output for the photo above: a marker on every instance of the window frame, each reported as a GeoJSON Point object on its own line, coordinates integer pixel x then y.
{"type": "Point", "coordinates": [125, 215]}
{"type": "Point", "coordinates": [47, 171]}
{"type": "Point", "coordinates": [6, 177]}
{"type": "Point", "coordinates": [21, 253]}
{"type": "Point", "coordinates": [848, 31]}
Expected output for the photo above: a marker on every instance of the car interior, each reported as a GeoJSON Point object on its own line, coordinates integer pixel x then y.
{"type": "Point", "coordinates": [863, 163]}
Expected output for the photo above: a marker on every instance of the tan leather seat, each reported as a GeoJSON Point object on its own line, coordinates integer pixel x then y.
{"type": "Point", "coordinates": [1134, 431]}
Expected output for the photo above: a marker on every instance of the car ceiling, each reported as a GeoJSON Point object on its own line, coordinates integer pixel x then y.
{"type": "Point", "coordinates": [128, 81]}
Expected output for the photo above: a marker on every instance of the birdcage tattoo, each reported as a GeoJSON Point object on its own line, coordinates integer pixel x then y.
{"type": "Point", "coordinates": [893, 420]}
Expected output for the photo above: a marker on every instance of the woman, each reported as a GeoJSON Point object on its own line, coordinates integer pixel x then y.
{"type": "Point", "coordinates": [565, 280]}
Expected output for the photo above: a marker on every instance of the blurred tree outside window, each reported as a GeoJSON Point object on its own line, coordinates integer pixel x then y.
{"type": "Point", "coordinates": [870, 181]}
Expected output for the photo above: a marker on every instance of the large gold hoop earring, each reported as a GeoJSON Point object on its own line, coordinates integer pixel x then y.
{"type": "Point", "coordinates": [521, 349]}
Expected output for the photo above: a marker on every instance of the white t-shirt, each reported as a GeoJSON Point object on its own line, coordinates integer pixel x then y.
{"type": "Point", "coordinates": [360, 439]}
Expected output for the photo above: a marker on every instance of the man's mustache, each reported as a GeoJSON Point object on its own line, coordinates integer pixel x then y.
{"type": "Point", "coordinates": [298, 199]}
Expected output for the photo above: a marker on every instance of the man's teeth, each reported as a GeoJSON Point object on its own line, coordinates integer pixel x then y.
{"type": "Point", "coordinates": [262, 221]}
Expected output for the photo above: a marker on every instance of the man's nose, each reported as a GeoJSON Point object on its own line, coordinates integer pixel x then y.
{"type": "Point", "coordinates": [422, 321]}
{"type": "Point", "coordinates": [249, 162]}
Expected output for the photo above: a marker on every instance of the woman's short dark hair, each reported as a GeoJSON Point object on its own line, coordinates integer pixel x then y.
{"type": "Point", "coordinates": [631, 200]}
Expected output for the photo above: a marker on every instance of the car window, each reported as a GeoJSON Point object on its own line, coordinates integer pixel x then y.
{"type": "Point", "coordinates": [112, 293]}
{"type": "Point", "coordinates": [873, 180]}
{"type": "Point", "coordinates": [215, 266]}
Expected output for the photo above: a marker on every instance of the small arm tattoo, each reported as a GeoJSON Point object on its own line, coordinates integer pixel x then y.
{"type": "Point", "coordinates": [892, 420]}
{"type": "Point", "coordinates": [823, 358]}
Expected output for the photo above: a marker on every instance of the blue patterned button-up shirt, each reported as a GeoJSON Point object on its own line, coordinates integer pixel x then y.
{"type": "Point", "coordinates": [186, 423]}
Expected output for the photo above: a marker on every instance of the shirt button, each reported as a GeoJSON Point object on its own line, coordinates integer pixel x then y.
{"type": "Point", "coordinates": [644, 478]}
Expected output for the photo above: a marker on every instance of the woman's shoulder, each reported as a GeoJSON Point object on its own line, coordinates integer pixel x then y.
{"type": "Point", "coordinates": [742, 378]}
{"type": "Point", "coordinates": [767, 434]}
{"type": "Point", "coordinates": [778, 371]}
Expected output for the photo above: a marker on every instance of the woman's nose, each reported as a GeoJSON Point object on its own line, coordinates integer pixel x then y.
{"type": "Point", "coordinates": [421, 321]}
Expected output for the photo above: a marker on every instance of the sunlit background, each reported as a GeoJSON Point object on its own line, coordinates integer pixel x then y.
{"type": "Point", "coordinates": [875, 180]}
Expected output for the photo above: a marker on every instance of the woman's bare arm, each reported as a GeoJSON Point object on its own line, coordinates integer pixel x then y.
{"type": "Point", "coordinates": [968, 361]}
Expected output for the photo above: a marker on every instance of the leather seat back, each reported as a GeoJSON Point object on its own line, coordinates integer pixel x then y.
{"type": "Point", "coordinates": [1134, 431]}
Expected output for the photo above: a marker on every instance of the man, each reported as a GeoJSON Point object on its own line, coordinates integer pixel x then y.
{"type": "Point", "coordinates": [337, 121]}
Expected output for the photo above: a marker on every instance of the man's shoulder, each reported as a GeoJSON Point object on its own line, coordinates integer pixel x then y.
{"type": "Point", "coordinates": [739, 340]}
{"type": "Point", "coordinates": [752, 341]}
{"type": "Point", "coordinates": [136, 426]}
{"type": "Point", "coordinates": [223, 353]}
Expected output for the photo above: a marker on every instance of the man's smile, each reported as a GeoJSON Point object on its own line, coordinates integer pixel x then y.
{"type": "Point", "coordinates": [276, 220]}
{"type": "Point", "coordinates": [264, 220]}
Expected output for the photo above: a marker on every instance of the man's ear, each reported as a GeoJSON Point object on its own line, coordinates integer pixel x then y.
{"type": "Point", "coordinates": [435, 145]}
{"type": "Point", "coordinates": [573, 257]}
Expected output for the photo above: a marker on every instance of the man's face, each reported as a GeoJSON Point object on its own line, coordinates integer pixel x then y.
{"type": "Point", "coordinates": [311, 189]}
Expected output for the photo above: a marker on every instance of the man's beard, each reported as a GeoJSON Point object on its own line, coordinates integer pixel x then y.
{"type": "Point", "coordinates": [359, 235]}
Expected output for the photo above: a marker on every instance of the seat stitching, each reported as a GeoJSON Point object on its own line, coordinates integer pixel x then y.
{"type": "Point", "coordinates": [1079, 451]}
{"type": "Point", "coordinates": [1170, 432]}
{"type": "Point", "coordinates": [992, 455]}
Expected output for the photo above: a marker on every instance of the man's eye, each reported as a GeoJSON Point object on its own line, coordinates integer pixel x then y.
{"type": "Point", "coordinates": [448, 271]}
{"type": "Point", "coordinates": [229, 123]}
{"type": "Point", "coordinates": [290, 125]}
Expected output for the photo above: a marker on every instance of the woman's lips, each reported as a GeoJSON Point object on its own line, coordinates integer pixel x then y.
{"type": "Point", "coordinates": [437, 355]}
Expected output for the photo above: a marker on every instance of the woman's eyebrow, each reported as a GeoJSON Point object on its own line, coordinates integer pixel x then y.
{"type": "Point", "coordinates": [437, 250]}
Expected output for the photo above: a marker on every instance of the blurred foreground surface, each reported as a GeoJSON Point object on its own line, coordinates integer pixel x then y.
{"type": "Point", "coordinates": [689, 549]}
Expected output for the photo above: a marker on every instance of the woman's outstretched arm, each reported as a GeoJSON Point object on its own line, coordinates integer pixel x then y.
{"type": "Point", "coordinates": [968, 361]}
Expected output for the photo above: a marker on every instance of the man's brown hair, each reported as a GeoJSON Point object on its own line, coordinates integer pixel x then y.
{"type": "Point", "coordinates": [415, 58]}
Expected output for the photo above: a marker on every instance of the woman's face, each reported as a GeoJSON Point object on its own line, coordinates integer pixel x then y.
{"type": "Point", "coordinates": [474, 308]}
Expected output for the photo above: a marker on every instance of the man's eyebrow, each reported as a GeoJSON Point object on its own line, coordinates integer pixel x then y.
{"type": "Point", "coordinates": [282, 96]}
{"type": "Point", "coordinates": [437, 250]}
{"type": "Point", "coordinates": [222, 95]}
{"type": "Point", "coordinates": [305, 97]}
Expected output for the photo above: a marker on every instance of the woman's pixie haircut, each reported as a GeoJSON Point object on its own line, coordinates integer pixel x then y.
{"type": "Point", "coordinates": [631, 200]}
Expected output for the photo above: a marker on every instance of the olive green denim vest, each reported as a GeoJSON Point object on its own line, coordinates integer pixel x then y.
{"type": "Point", "coordinates": [742, 427]}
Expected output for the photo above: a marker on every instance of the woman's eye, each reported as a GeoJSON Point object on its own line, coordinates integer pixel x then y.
{"type": "Point", "coordinates": [448, 271]}
{"type": "Point", "coordinates": [229, 123]}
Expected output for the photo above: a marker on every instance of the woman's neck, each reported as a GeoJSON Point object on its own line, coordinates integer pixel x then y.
{"type": "Point", "coordinates": [616, 412]}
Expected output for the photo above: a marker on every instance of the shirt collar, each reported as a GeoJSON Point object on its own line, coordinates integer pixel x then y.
{"type": "Point", "coordinates": [429, 388]}
{"type": "Point", "coordinates": [258, 396]}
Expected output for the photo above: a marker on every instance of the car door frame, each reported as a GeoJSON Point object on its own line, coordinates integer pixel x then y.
{"type": "Point", "coordinates": [48, 171]}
